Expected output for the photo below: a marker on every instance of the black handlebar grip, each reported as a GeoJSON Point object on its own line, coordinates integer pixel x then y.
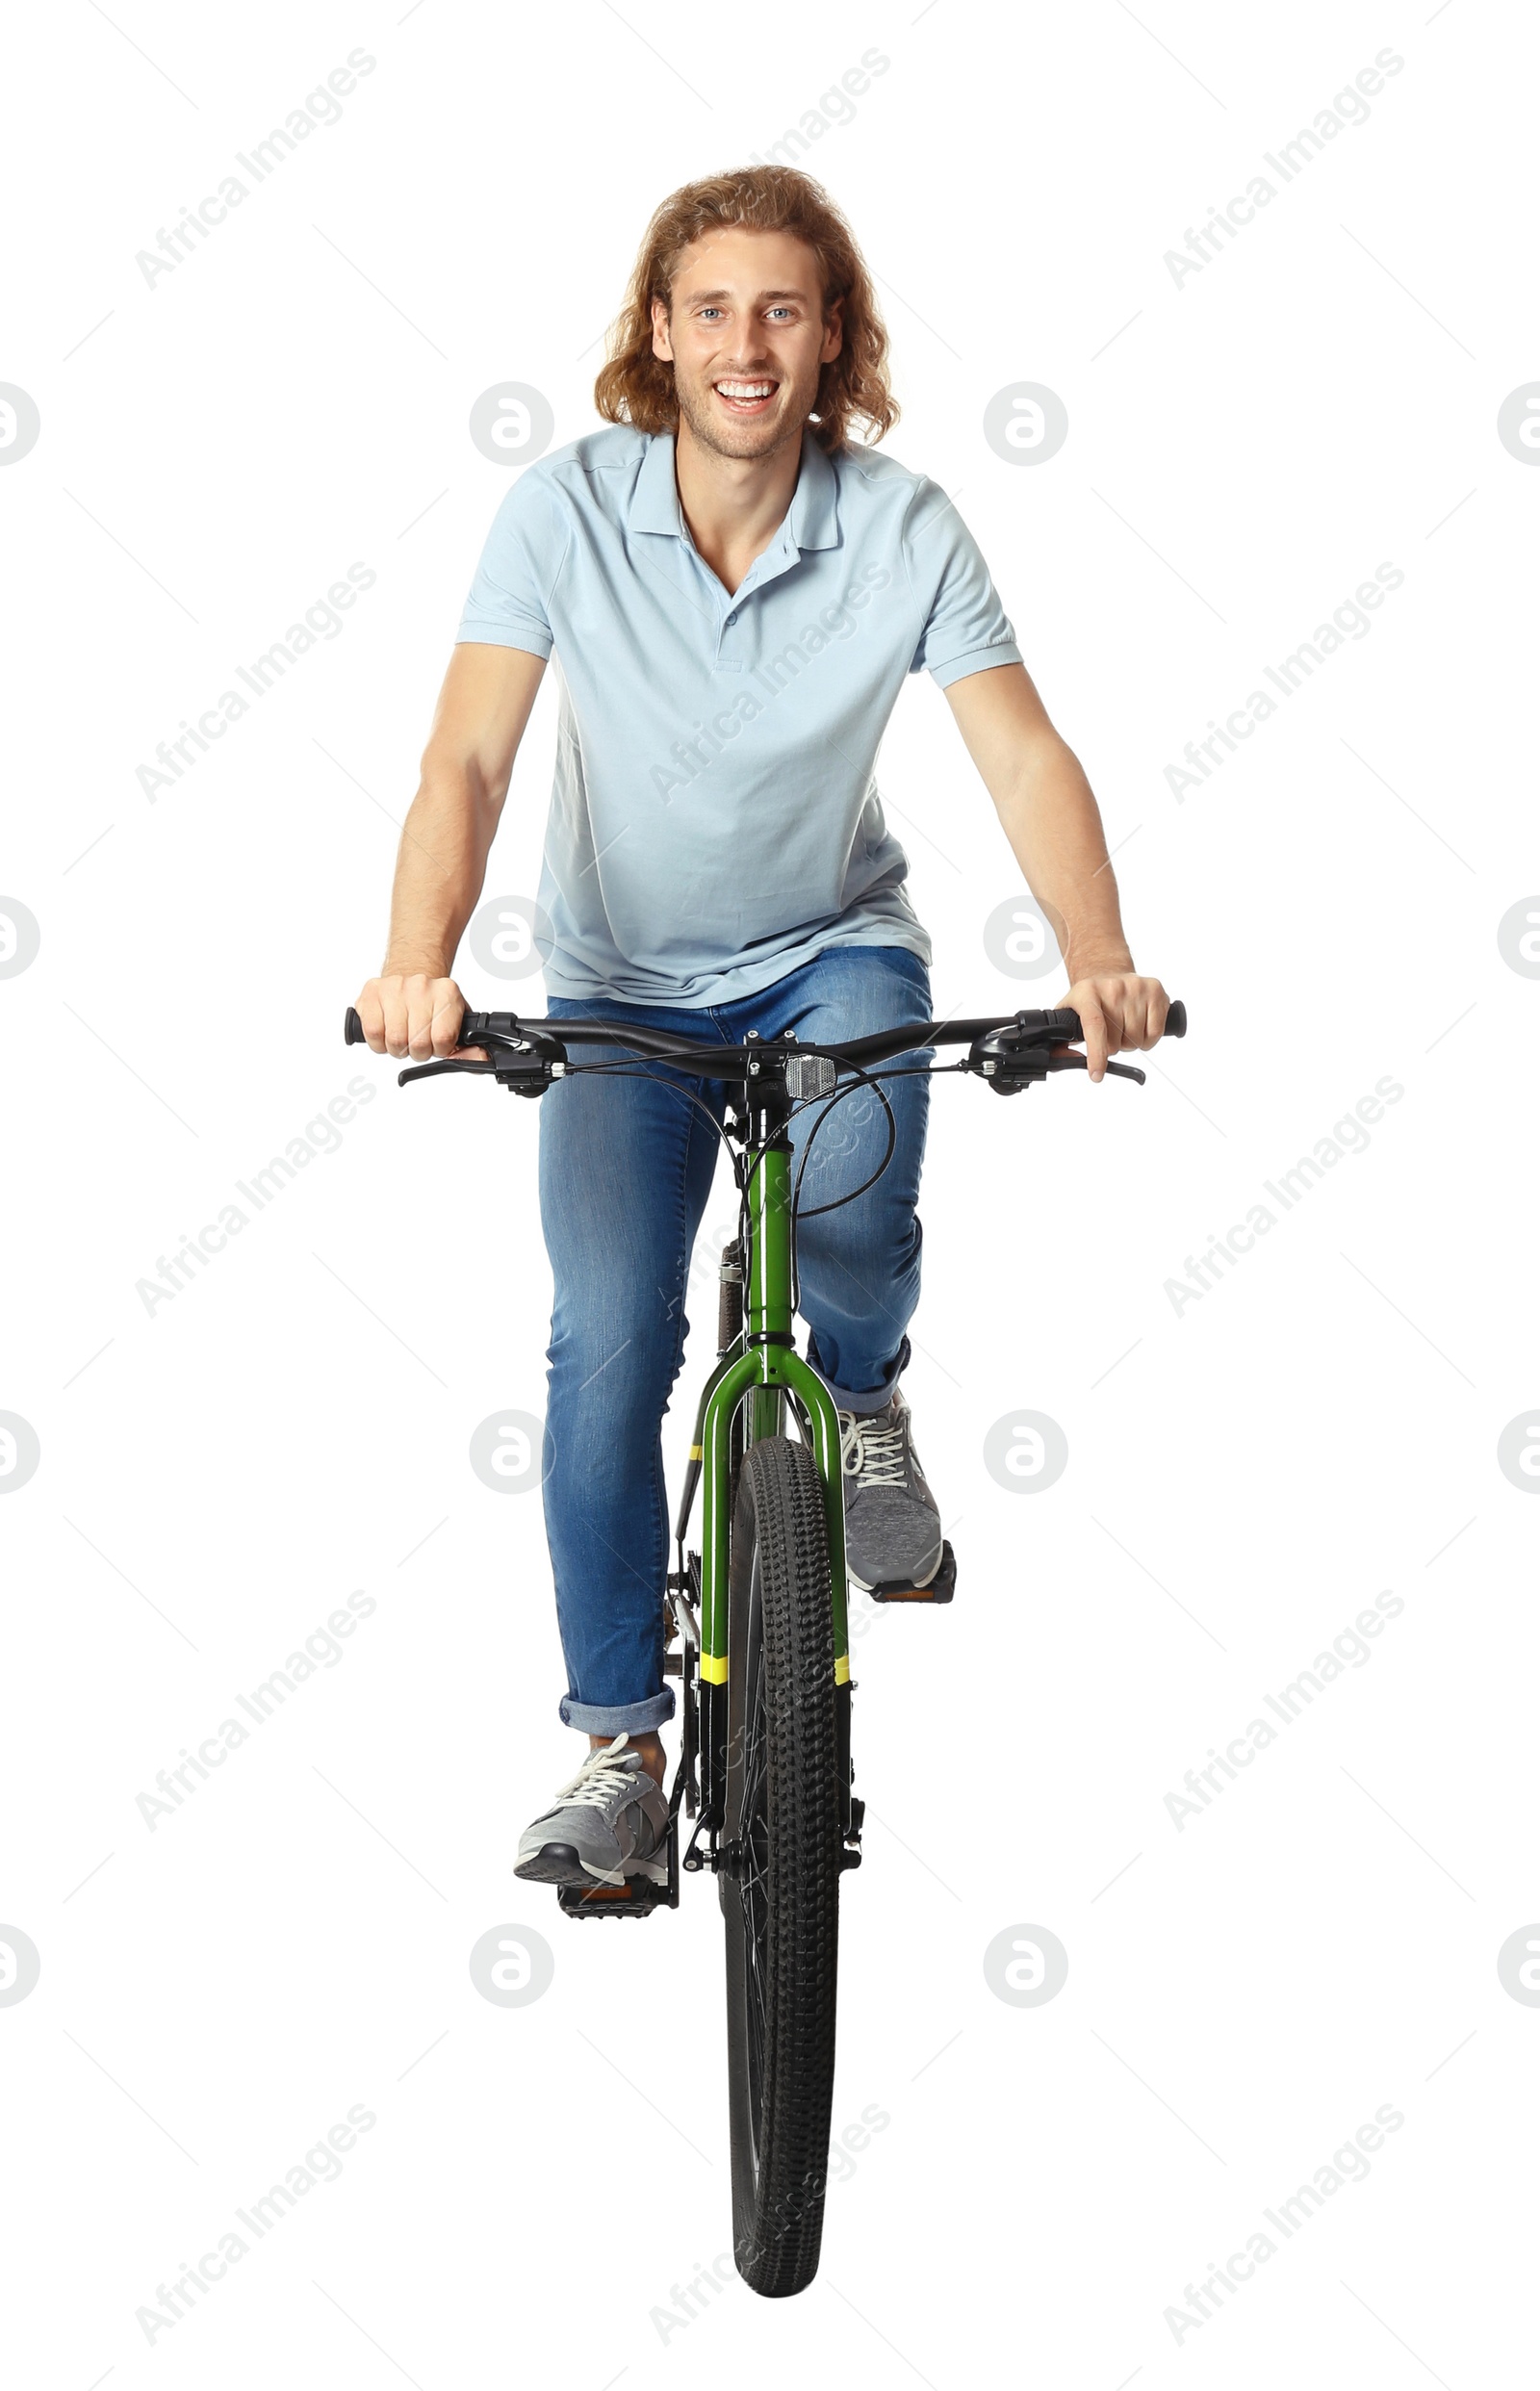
{"type": "Point", "coordinates": [1176, 1021]}
{"type": "Point", "coordinates": [353, 1029]}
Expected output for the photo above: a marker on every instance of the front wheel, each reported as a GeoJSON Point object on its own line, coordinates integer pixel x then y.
{"type": "Point", "coordinates": [781, 1899]}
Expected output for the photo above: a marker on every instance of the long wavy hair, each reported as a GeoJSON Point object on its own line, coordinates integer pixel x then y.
{"type": "Point", "coordinates": [636, 387]}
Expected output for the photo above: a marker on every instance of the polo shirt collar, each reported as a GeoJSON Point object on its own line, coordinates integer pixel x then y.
{"type": "Point", "coordinates": [811, 517]}
{"type": "Point", "coordinates": [812, 501]}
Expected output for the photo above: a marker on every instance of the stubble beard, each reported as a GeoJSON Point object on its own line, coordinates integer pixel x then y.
{"type": "Point", "coordinates": [750, 439]}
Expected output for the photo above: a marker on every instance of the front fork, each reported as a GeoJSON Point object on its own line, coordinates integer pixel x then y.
{"type": "Point", "coordinates": [759, 1369]}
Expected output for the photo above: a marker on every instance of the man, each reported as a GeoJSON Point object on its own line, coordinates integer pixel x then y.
{"type": "Point", "coordinates": [736, 593]}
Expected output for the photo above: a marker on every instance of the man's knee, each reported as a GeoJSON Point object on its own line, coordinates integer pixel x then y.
{"type": "Point", "coordinates": [880, 1247]}
{"type": "Point", "coordinates": [628, 1344]}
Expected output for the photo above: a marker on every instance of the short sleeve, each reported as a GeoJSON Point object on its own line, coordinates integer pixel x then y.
{"type": "Point", "coordinates": [509, 602]}
{"type": "Point", "coordinates": [966, 628]}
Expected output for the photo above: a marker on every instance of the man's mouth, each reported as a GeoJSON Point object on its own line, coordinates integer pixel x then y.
{"type": "Point", "coordinates": [746, 397]}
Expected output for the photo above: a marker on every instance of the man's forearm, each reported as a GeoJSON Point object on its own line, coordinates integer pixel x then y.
{"type": "Point", "coordinates": [440, 867]}
{"type": "Point", "coordinates": [414, 1006]}
{"type": "Point", "coordinates": [1051, 819]}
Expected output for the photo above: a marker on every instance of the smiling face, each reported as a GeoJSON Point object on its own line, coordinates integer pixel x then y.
{"type": "Point", "coordinates": [747, 336]}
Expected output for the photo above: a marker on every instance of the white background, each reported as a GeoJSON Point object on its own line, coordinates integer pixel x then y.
{"type": "Point", "coordinates": [1245, 1475]}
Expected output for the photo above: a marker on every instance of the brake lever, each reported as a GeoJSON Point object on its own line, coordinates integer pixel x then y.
{"type": "Point", "coordinates": [1068, 1062]}
{"type": "Point", "coordinates": [1011, 1066]}
{"type": "Point", "coordinates": [446, 1063]}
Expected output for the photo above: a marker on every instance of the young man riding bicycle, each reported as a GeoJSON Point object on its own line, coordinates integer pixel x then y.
{"type": "Point", "coordinates": [735, 592]}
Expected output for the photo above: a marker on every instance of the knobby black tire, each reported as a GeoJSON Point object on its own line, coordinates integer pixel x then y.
{"type": "Point", "coordinates": [783, 1916]}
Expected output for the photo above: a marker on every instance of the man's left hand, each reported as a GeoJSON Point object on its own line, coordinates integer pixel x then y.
{"type": "Point", "coordinates": [1117, 1011]}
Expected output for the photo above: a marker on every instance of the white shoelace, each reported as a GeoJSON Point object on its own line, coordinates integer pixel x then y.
{"type": "Point", "coordinates": [599, 1777]}
{"type": "Point", "coordinates": [873, 1455]}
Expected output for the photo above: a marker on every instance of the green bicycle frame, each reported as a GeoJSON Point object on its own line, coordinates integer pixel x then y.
{"type": "Point", "coordinates": [759, 1372]}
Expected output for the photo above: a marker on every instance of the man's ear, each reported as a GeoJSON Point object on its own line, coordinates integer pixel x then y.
{"type": "Point", "coordinates": [834, 321]}
{"type": "Point", "coordinates": [662, 345]}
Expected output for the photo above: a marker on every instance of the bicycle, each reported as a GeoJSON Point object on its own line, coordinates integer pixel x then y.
{"type": "Point", "coordinates": [759, 1612]}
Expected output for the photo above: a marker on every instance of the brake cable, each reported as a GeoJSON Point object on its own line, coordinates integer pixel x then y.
{"type": "Point", "coordinates": [744, 1164]}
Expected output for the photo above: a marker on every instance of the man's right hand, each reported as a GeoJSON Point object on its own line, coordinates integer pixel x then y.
{"type": "Point", "coordinates": [412, 1012]}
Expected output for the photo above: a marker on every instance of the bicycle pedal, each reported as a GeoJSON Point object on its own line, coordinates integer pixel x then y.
{"type": "Point", "coordinates": [940, 1590]}
{"type": "Point", "coordinates": [636, 1897]}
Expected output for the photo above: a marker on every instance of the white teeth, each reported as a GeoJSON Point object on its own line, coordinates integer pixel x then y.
{"type": "Point", "coordinates": [745, 389]}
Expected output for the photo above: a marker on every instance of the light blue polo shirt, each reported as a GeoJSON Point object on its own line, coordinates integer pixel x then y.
{"type": "Point", "coordinates": [715, 820]}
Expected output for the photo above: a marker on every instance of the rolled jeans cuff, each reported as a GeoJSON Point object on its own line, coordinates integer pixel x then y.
{"type": "Point", "coordinates": [874, 1398]}
{"type": "Point", "coordinates": [618, 1718]}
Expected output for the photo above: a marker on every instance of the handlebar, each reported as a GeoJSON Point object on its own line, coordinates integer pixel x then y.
{"type": "Point", "coordinates": [1012, 1051]}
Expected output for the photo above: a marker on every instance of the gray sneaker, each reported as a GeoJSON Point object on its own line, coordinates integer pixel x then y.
{"type": "Point", "coordinates": [608, 1822]}
{"type": "Point", "coordinates": [892, 1522]}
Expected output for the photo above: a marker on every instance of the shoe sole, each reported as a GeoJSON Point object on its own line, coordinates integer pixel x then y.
{"type": "Point", "coordinates": [559, 1864]}
{"type": "Point", "coordinates": [863, 1587]}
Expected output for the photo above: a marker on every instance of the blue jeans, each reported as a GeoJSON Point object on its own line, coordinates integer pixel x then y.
{"type": "Point", "coordinates": [626, 1168]}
